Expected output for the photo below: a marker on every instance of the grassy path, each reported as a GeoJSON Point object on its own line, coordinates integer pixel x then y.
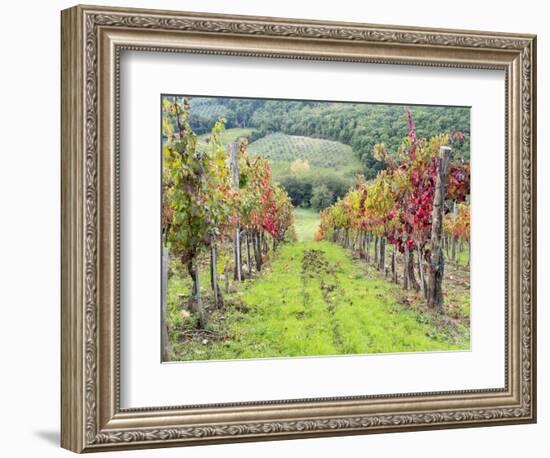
{"type": "Point", "coordinates": [306, 222]}
{"type": "Point", "coordinates": [314, 299]}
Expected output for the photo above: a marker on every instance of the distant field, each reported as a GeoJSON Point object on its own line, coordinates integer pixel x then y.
{"type": "Point", "coordinates": [318, 152]}
{"type": "Point", "coordinates": [228, 136]}
{"type": "Point", "coordinates": [306, 222]}
{"type": "Point", "coordinates": [207, 108]}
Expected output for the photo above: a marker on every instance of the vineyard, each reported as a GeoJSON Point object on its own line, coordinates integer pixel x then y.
{"type": "Point", "coordinates": [405, 207]}
{"type": "Point", "coordinates": [317, 152]}
{"type": "Point", "coordinates": [247, 273]}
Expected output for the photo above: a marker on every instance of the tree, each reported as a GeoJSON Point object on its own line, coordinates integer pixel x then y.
{"type": "Point", "coordinates": [186, 192]}
{"type": "Point", "coordinates": [321, 197]}
{"type": "Point", "coordinates": [219, 202]}
{"type": "Point", "coordinates": [437, 260]}
{"type": "Point", "coordinates": [298, 188]}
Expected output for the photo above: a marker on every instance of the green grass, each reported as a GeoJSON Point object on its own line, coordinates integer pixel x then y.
{"type": "Point", "coordinates": [227, 137]}
{"type": "Point", "coordinates": [306, 222]}
{"type": "Point", "coordinates": [329, 305]}
{"type": "Point", "coordinates": [318, 152]}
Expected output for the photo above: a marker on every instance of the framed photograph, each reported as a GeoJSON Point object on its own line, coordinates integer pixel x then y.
{"type": "Point", "coordinates": [278, 228]}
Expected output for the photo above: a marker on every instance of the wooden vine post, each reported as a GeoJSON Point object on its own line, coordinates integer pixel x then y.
{"type": "Point", "coordinates": [421, 270]}
{"type": "Point", "coordinates": [218, 298]}
{"type": "Point", "coordinates": [213, 271]}
{"type": "Point", "coordinates": [367, 256]}
{"type": "Point", "coordinates": [394, 265]}
{"type": "Point", "coordinates": [198, 307]}
{"type": "Point", "coordinates": [237, 248]}
{"type": "Point", "coordinates": [165, 341]}
{"type": "Point", "coordinates": [406, 269]}
{"type": "Point", "coordinates": [453, 249]}
{"type": "Point", "coordinates": [437, 261]}
{"type": "Point", "coordinates": [248, 256]}
{"type": "Point", "coordinates": [382, 259]}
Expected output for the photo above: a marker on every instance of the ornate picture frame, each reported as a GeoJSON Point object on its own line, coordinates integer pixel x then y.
{"type": "Point", "coordinates": [92, 41]}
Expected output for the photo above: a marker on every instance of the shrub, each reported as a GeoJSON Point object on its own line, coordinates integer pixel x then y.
{"type": "Point", "coordinates": [321, 197]}
{"type": "Point", "coordinates": [298, 188]}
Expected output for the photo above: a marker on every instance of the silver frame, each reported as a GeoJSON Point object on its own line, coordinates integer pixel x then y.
{"type": "Point", "coordinates": [92, 40]}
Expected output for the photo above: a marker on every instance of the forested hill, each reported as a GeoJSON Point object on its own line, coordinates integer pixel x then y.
{"type": "Point", "coordinates": [358, 125]}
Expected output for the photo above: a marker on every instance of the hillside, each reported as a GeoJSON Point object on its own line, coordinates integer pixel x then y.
{"type": "Point", "coordinates": [318, 152]}
{"type": "Point", "coordinates": [208, 108]}
{"type": "Point", "coordinates": [357, 125]}
{"type": "Point", "coordinates": [361, 125]}
{"type": "Point", "coordinates": [317, 149]}
{"type": "Point", "coordinates": [228, 136]}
